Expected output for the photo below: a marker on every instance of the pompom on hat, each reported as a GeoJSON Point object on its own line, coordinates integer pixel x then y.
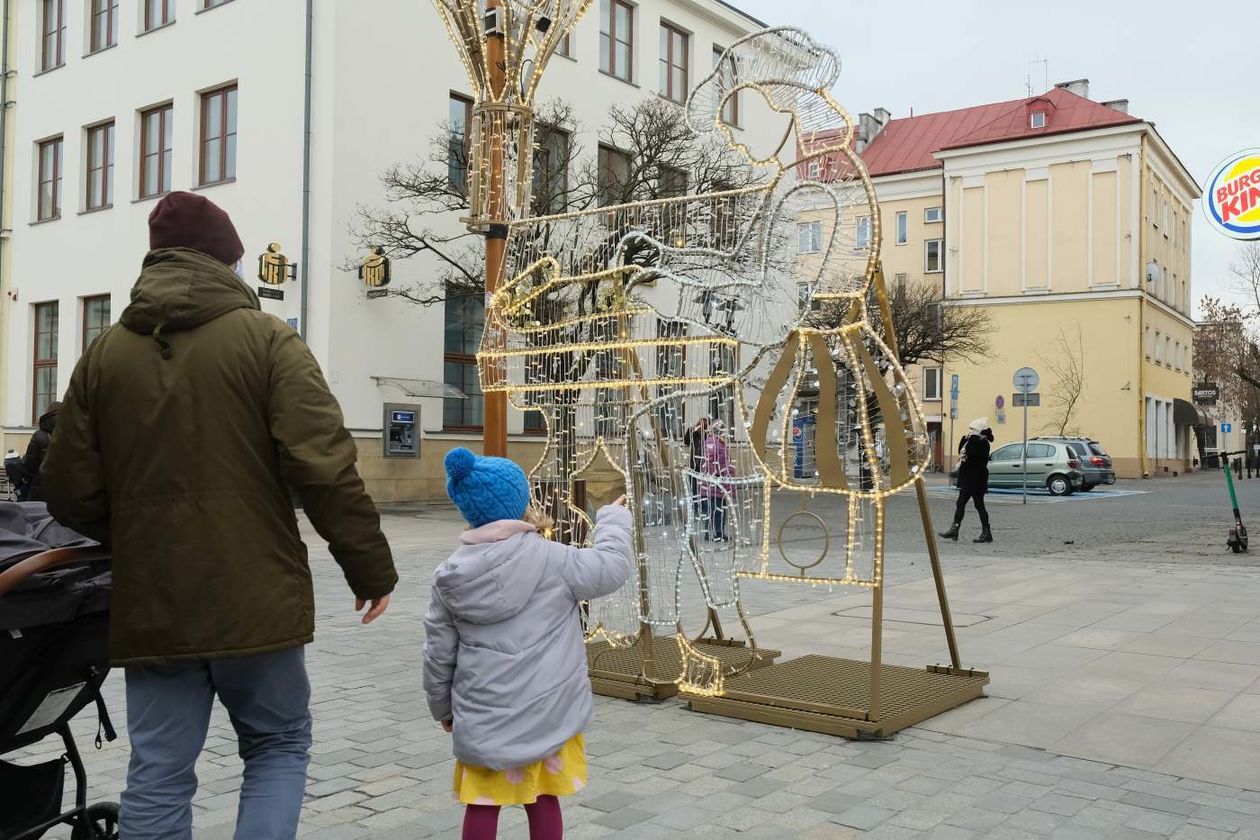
{"type": "Point", "coordinates": [485, 489]}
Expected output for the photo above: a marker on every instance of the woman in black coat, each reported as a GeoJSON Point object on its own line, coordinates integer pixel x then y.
{"type": "Point", "coordinates": [33, 487]}
{"type": "Point", "coordinates": [973, 478]}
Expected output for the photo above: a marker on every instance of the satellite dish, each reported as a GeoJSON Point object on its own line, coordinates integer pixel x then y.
{"type": "Point", "coordinates": [1152, 272]}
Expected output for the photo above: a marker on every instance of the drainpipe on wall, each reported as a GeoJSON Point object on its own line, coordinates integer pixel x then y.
{"type": "Point", "coordinates": [305, 294]}
{"type": "Point", "coordinates": [4, 169]}
{"type": "Point", "coordinates": [953, 447]}
{"type": "Point", "coordinates": [1140, 176]}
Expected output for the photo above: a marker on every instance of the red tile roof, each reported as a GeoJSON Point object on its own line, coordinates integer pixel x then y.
{"type": "Point", "coordinates": [910, 144]}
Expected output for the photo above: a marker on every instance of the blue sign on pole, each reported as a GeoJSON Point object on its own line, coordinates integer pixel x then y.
{"type": "Point", "coordinates": [953, 382]}
{"type": "Point", "coordinates": [1226, 428]}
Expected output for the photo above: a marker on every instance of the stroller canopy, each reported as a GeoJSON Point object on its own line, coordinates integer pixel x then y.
{"type": "Point", "coordinates": [56, 595]}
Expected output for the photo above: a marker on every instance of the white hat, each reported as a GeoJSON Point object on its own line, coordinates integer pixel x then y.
{"type": "Point", "coordinates": [979, 424]}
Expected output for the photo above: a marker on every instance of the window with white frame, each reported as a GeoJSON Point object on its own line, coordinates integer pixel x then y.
{"type": "Point", "coordinates": [862, 234]}
{"type": "Point", "coordinates": [1159, 346]}
{"type": "Point", "coordinates": [1037, 119]}
{"type": "Point", "coordinates": [933, 214]}
{"type": "Point", "coordinates": [932, 383]}
{"type": "Point", "coordinates": [1176, 357]}
{"type": "Point", "coordinates": [809, 237]}
{"type": "Point", "coordinates": [1168, 356]}
{"type": "Point", "coordinates": [903, 227]}
{"type": "Point", "coordinates": [932, 261]}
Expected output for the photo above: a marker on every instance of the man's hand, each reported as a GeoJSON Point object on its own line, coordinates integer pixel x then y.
{"type": "Point", "coordinates": [447, 725]}
{"type": "Point", "coordinates": [376, 608]}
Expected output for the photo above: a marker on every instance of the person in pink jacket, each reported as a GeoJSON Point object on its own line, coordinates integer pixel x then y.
{"type": "Point", "coordinates": [717, 463]}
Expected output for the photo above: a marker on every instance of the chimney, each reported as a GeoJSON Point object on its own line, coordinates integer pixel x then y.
{"type": "Point", "coordinates": [869, 127]}
{"type": "Point", "coordinates": [1121, 105]}
{"type": "Point", "coordinates": [1078, 86]}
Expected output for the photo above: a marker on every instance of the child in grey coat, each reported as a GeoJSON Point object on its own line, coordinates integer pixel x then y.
{"type": "Point", "coordinates": [504, 660]}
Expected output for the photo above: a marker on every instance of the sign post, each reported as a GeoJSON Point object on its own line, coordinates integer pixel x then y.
{"type": "Point", "coordinates": [1026, 380]}
{"type": "Point", "coordinates": [953, 415]}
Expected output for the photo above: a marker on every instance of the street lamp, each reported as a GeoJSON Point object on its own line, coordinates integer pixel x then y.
{"type": "Point", "coordinates": [504, 46]}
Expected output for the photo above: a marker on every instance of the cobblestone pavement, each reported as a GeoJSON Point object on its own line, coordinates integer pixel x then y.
{"type": "Point", "coordinates": [1125, 695]}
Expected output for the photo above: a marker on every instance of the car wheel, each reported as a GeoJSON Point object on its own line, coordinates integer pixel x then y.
{"type": "Point", "coordinates": [1085, 488]}
{"type": "Point", "coordinates": [1058, 485]}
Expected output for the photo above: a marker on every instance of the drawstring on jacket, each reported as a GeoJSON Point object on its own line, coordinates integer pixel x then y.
{"type": "Point", "coordinates": [163, 341]}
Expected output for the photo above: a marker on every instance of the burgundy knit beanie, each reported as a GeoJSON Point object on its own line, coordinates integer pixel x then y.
{"type": "Point", "coordinates": [184, 220]}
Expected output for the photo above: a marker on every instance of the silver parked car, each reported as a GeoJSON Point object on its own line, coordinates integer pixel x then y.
{"type": "Point", "coordinates": [1052, 464]}
{"type": "Point", "coordinates": [1096, 466]}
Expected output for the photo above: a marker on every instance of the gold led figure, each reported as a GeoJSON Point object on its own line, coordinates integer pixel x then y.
{"type": "Point", "coordinates": [621, 325]}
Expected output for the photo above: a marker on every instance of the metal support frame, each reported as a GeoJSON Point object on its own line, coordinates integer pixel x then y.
{"type": "Point", "coordinates": [825, 694]}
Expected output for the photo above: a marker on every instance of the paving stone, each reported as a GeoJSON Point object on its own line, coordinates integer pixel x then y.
{"type": "Point", "coordinates": [863, 817]}
{"type": "Point", "coordinates": [666, 760]}
{"type": "Point", "coordinates": [1057, 803]}
{"type": "Point", "coordinates": [836, 802]}
{"type": "Point", "coordinates": [611, 801]}
{"type": "Point", "coordinates": [758, 787]}
{"type": "Point", "coordinates": [685, 818]}
{"type": "Point", "coordinates": [623, 818]}
{"type": "Point", "coordinates": [1006, 803]}
{"type": "Point", "coordinates": [1159, 803]}
{"type": "Point", "coordinates": [742, 772]}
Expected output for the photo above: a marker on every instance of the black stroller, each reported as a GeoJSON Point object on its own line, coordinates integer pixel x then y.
{"type": "Point", "coordinates": [54, 628]}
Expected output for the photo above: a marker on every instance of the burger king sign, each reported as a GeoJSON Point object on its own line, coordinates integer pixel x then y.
{"type": "Point", "coordinates": [1232, 198]}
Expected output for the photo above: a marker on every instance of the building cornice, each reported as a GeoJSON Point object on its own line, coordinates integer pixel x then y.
{"type": "Point", "coordinates": [907, 185]}
{"type": "Point", "coordinates": [1170, 164]}
{"type": "Point", "coordinates": [1070, 297]}
{"type": "Point", "coordinates": [724, 14]}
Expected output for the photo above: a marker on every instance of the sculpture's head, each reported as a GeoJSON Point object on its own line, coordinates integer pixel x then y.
{"type": "Point", "coordinates": [782, 71]}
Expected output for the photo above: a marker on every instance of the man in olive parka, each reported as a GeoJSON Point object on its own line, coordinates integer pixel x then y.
{"type": "Point", "coordinates": [184, 427]}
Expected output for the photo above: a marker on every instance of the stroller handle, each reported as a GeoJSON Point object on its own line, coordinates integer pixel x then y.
{"type": "Point", "coordinates": [46, 560]}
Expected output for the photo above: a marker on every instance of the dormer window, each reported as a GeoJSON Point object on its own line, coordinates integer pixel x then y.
{"type": "Point", "coordinates": [1037, 119]}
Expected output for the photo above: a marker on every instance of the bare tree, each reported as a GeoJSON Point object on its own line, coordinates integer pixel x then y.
{"type": "Point", "coordinates": [647, 151]}
{"type": "Point", "coordinates": [928, 330]}
{"type": "Point", "coordinates": [1067, 365]}
{"type": "Point", "coordinates": [424, 199]}
{"type": "Point", "coordinates": [1246, 275]}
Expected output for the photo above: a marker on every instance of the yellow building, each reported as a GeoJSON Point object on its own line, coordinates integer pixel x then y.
{"type": "Point", "coordinates": [1068, 221]}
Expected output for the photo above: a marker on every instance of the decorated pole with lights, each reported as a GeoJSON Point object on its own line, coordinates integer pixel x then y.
{"type": "Point", "coordinates": [504, 46]}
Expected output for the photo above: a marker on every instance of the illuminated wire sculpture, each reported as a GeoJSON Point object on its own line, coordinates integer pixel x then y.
{"type": "Point", "coordinates": [622, 325]}
{"type": "Point", "coordinates": [504, 73]}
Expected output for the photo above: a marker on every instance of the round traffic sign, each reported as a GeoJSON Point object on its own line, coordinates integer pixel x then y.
{"type": "Point", "coordinates": [1000, 402]}
{"type": "Point", "coordinates": [1026, 380]}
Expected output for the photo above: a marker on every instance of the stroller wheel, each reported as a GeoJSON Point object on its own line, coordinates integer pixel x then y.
{"type": "Point", "coordinates": [101, 823]}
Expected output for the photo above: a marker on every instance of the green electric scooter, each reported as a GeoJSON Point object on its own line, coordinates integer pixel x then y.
{"type": "Point", "coordinates": [1237, 541]}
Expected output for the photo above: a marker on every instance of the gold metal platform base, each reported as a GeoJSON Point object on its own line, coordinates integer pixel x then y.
{"type": "Point", "coordinates": [828, 695]}
{"type": "Point", "coordinates": [618, 672]}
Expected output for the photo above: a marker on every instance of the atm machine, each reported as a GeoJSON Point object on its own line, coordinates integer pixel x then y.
{"type": "Point", "coordinates": [401, 430]}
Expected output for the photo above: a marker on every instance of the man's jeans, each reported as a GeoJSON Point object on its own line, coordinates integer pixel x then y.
{"type": "Point", "coordinates": [267, 697]}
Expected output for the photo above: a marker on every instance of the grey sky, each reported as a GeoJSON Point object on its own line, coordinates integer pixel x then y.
{"type": "Point", "coordinates": [1184, 66]}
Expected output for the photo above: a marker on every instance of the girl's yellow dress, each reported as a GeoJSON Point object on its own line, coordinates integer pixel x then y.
{"type": "Point", "coordinates": [563, 774]}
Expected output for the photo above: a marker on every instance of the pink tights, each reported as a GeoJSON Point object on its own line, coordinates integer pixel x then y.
{"type": "Point", "coordinates": [481, 822]}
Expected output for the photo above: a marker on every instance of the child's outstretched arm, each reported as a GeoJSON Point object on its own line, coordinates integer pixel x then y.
{"type": "Point", "coordinates": [441, 645]}
{"type": "Point", "coordinates": [602, 569]}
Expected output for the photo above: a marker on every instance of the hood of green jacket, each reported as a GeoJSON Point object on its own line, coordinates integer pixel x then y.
{"type": "Point", "coordinates": [179, 290]}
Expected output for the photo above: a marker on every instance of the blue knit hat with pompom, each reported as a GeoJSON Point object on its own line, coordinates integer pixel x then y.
{"type": "Point", "coordinates": [485, 489]}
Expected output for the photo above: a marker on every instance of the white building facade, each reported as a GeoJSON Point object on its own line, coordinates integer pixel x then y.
{"type": "Point", "coordinates": [285, 113]}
